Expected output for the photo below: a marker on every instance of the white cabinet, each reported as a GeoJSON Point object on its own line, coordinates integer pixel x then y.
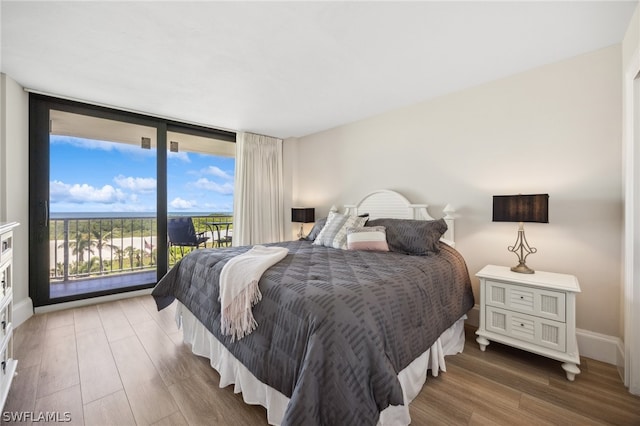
{"type": "Point", "coordinates": [7, 363]}
{"type": "Point", "coordinates": [535, 312]}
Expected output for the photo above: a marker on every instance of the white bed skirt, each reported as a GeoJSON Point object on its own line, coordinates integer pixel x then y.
{"type": "Point", "coordinates": [254, 392]}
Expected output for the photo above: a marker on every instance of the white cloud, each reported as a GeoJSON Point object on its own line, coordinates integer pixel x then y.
{"type": "Point", "coordinates": [204, 183]}
{"type": "Point", "coordinates": [84, 193]}
{"type": "Point", "coordinates": [217, 171]}
{"type": "Point", "coordinates": [180, 204]}
{"type": "Point", "coordinates": [136, 184]}
{"type": "Point", "coordinates": [182, 156]}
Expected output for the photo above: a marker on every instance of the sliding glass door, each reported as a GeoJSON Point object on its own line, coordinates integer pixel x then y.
{"type": "Point", "coordinates": [102, 204]}
{"type": "Point", "coordinates": [94, 196]}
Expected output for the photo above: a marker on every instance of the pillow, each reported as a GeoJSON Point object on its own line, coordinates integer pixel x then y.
{"type": "Point", "coordinates": [408, 236]}
{"type": "Point", "coordinates": [372, 238]}
{"type": "Point", "coordinates": [317, 227]}
{"type": "Point", "coordinates": [334, 232]}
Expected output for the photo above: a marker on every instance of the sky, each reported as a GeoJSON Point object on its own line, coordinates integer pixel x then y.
{"type": "Point", "coordinates": [96, 176]}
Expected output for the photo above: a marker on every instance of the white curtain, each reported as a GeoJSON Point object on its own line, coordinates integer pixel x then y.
{"type": "Point", "coordinates": [258, 207]}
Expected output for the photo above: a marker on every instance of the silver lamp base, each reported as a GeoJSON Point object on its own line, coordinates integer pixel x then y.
{"type": "Point", "coordinates": [522, 249]}
{"type": "Point", "coordinates": [522, 269]}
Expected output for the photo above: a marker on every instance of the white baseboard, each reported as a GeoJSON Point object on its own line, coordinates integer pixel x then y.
{"type": "Point", "coordinates": [91, 301]}
{"type": "Point", "coordinates": [22, 311]}
{"type": "Point", "coordinates": [600, 347]}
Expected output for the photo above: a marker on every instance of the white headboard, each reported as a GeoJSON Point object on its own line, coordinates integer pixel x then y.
{"type": "Point", "coordinates": [385, 203]}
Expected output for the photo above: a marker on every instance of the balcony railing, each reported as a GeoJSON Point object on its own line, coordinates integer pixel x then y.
{"type": "Point", "coordinates": [84, 248]}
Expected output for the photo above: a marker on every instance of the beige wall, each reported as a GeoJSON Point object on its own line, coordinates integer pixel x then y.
{"type": "Point", "coordinates": [14, 169]}
{"type": "Point", "coordinates": [554, 129]}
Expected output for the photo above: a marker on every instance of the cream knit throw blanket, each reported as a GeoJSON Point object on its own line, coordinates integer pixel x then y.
{"type": "Point", "coordinates": [239, 290]}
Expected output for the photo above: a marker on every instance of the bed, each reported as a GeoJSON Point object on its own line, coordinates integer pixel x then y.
{"type": "Point", "coordinates": [344, 336]}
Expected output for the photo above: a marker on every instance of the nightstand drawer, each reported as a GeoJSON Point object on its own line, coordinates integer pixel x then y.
{"type": "Point", "coordinates": [5, 322]}
{"type": "Point", "coordinates": [6, 282]}
{"type": "Point", "coordinates": [6, 247]}
{"type": "Point", "coordinates": [528, 328]}
{"type": "Point", "coordinates": [527, 300]}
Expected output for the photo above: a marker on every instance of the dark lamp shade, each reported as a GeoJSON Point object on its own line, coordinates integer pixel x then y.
{"type": "Point", "coordinates": [521, 208]}
{"type": "Point", "coordinates": [303, 214]}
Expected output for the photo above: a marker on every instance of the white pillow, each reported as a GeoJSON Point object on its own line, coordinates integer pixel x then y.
{"type": "Point", "coordinates": [334, 233]}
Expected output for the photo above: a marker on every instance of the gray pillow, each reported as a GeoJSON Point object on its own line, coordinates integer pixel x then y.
{"type": "Point", "coordinates": [317, 227]}
{"type": "Point", "coordinates": [416, 237]}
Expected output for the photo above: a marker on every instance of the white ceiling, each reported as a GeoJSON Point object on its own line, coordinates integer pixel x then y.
{"type": "Point", "coordinates": [289, 68]}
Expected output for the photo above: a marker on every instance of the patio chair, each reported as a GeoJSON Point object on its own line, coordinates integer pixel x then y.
{"type": "Point", "coordinates": [182, 234]}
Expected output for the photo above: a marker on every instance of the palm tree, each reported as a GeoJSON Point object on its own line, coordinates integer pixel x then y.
{"type": "Point", "coordinates": [101, 240]}
{"type": "Point", "coordinates": [94, 264]}
{"type": "Point", "coordinates": [119, 255]}
{"type": "Point", "coordinates": [59, 269]}
{"type": "Point", "coordinates": [132, 253]}
{"type": "Point", "coordinates": [79, 246]}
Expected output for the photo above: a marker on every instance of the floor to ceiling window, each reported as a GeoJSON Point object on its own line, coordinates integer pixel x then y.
{"type": "Point", "coordinates": [104, 184]}
{"type": "Point", "coordinates": [200, 183]}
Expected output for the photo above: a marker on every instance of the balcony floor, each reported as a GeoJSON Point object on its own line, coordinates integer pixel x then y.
{"type": "Point", "coordinates": [106, 283]}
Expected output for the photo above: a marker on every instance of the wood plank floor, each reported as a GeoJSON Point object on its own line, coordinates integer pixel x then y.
{"type": "Point", "coordinates": [123, 363]}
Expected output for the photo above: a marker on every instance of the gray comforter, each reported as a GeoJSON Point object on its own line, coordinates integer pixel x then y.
{"type": "Point", "coordinates": [334, 326]}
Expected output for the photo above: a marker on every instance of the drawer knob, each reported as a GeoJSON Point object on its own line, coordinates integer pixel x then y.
{"type": "Point", "coordinates": [4, 366]}
{"type": "Point", "coordinates": [521, 297]}
{"type": "Point", "coordinates": [4, 325]}
{"type": "Point", "coordinates": [521, 325]}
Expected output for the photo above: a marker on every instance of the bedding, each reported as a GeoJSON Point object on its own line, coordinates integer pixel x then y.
{"type": "Point", "coordinates": [335, 327]}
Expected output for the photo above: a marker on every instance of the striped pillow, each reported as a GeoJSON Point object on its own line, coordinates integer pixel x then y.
{"type": "Point", "coordinates": [334, 233]}
{"type": "Point", "coordinates": [372, 238]}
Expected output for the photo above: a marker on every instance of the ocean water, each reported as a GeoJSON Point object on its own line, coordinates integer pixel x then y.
{"type": "Point", "coordinates": [108, 215]}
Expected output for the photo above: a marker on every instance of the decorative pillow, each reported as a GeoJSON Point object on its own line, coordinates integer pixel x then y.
{"type": "Point", "coordinates": [408, 236]}
{"type": "Point", "coordinates": [334, 232]}
{"type": "Point", "coordinates": [317, 227]}
{"type": "Point", "coordinates": [372, 238]}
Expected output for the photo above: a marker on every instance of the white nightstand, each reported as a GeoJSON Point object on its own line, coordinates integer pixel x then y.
{"type": "Point", "coordinates": [535, 312]}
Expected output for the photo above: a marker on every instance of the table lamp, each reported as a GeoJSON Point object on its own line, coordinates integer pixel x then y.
{"type": "Point", "coordinates": [302, 215]}
{"type": "Point", "coordinates": [521, 208]}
